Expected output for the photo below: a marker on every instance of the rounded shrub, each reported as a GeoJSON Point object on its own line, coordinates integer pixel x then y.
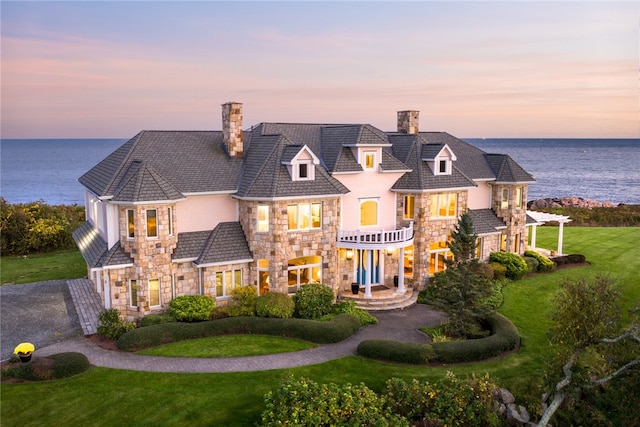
{"type": "Point", "coordinates": [69, 364]}
{"type": "Point", "coordinates": [544, 263]}
{"type": "Point", "coordinates": [499, 270]}
{"type": "Point", "coordinates": [349, 307]}
{"type": "Point", "coordinates": [313, 300]}
{"type": "Point", "coordinates": [515, 264]}
{"type": "Point", "coordinates": [243, 301]}
{"type": "Point", "coordinates": [273, 304]}
{"type": "Point", "coordinates": [532, 264]}
{"type": "Point", "coordinates": [111, 326]}
{"type": "Point", "coordinates": [191, 308]}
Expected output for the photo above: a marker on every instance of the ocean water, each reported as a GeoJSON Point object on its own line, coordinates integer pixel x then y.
{"type": "Point", "coordinates": [598, 169]}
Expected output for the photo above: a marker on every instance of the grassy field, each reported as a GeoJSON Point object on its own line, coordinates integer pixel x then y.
{"type": "Point", "coordinates": [104, 397]}
{"type": "Point", "coordinates": [41, 267]}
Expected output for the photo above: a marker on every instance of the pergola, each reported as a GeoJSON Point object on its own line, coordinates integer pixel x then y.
{"type": "Point", "coordinates": [541, 218]}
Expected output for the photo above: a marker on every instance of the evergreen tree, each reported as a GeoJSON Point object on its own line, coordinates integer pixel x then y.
{"type": "Point", "coordinates": [462, 289]}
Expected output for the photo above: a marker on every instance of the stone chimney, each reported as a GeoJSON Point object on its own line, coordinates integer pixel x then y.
{"type": "Point", "coordinates": [408, 121]}
{"type": "Point", "coordinates": [232, 128]}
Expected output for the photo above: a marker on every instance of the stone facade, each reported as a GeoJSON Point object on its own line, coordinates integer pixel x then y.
{"type": "Point", "coordinates": [509, 204]}
{"type": "Point", "coordinates": [232, 128]}
{"type": "Point", "coordinates": [408, 121]}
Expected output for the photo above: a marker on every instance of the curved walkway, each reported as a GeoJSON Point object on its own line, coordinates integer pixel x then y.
{"type": "Point", "coordinates": [395, 325]}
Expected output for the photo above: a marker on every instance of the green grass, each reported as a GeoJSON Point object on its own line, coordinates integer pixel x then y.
{"type": "Point", "coordinates": [57, 265]}
{"type": "Point", "coordinates": [229, 346]}
{"type": "Point", "coordinates": [104, 397]}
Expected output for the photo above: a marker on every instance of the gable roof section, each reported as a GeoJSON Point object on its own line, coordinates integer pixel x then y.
{"type": "Point", "coordinates": [506, 170]}
{"type": "Point", "coordinates": [189, 245]}
{"type": "Point", "coordinates": [190, 161]}
{"type": "Point", "coordinates": [265, 177]}
{"type": "Point", "coordinates": [485, 221]}
{"type": "Point", "coordinates": [227, 235]}
{"type": "Point", "coordinates": [144, 184]}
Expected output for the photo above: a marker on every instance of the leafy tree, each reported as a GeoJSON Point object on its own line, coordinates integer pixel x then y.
{"type": "Point", "coordinates": [463, 287]}
{"type": "Point", "coordinates": [589, 340]}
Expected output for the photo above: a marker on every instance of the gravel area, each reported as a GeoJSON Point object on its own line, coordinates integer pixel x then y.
{"type": "Point", "coordinates": [41, 313]}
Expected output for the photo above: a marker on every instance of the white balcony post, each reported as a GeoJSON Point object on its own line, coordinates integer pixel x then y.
{"type": "Point", "coordinates": [367, 280]}
{"type": "Point", "coordinates": [400, 289]}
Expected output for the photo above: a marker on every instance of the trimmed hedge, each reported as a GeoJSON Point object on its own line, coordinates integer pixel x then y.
{"type": "Point", "coordinates": [516, 266]}
{"type": "Point", "coordinates": [338, 329]}
{"type": "Point", "coordinates": [156, 319]}
{"type": "Point", "coordinates": [191, 308]}
{"type": "Point", "coordinates": [504, 337]}
{"type": "Point", "coordinates": [569, 259]}
{"type": "Point", "coordinates": [396, 351]}
{"type": "Point", "coordinates": [532, 264]}
{"type": "Point", "coordinates": [544, 263]}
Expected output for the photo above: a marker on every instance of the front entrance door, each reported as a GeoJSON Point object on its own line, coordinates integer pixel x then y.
{"type": "Point", "coordinates": [368, 268]}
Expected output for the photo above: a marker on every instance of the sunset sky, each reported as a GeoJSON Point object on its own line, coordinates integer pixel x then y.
{"type": "Point", "coordinates": [92, 69]}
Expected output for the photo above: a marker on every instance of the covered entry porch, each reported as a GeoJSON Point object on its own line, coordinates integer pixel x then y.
{"type": "Point", "coordinates": [370, 253]}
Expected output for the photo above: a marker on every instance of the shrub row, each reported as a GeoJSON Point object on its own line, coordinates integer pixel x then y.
{"type": "Point", "coordinates": [396, 351]}
{"type": "Point", "coordinates": [56, 366]}
{"type": "Point", "coordinates": [504, 337]}
{"type": "Point", "coordinates": [544, 263]}
{"type": "Point", "coordinates": [570, 259]}
{"type": "Point", "coordinates": [335, 330]}
{"type": "Point", "coordinates": [515, 264]}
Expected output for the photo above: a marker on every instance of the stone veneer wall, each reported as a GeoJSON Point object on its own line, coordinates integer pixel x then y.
{"type": "Point", "coordinates": [232, 128]}
{"type": "Point", "coordinates": [152, 260]}
{"type": "Point", "coordinates": [408, 121]}
{"type": "Point", "coordinates": [427, 230]}
{"type": "Point", "coordinates": [279, 245]}
{"type": "Point", "coordinates": [514, 218]}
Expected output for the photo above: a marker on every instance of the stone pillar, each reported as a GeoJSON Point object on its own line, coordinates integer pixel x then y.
{"type": "Point", "coordinates": [408, 121]}
{"type": "Point", "coordinates": [232, 128]}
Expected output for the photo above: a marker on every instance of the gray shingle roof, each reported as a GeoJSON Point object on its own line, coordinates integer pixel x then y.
{"type": "Point", "coordinates": [190, 245]}
{"type": "Point", "coordinates": [485, 221]}
{"type": "Point", "coordinates": [225, 244]}
{"type": "Point", "coordinates": [144, 184]}
{"type": "Point", "coordinates": [189, 161]}
{"type": "Point", "coordinates": [507, 170]}
{"type": "Point", "coordinates": [94, 248]}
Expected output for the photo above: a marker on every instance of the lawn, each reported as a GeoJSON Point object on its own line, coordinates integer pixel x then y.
{"type": "Point", "coordinates": [103, 397]}
{"type": "Point", "coordinates": [58, 265]}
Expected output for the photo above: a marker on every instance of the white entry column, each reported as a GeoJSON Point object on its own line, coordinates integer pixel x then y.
{"type": "Point", "coordinates": [401, 288]}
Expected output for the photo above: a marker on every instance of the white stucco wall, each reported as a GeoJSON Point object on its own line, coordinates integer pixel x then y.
{"type": "Point", "coordinates": [368, 185]}
{"type": "Point", "coordinates": [198, 213]}
{"type": "Point", "coordinates": [480, 197]}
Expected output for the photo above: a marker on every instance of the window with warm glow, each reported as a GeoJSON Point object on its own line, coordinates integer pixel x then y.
{"type": "Point", "coordinates": [519, 201]}
{"type": "Point", "coordinates": [133, 293]}
{"type": "Point", "coordinates": [304, 216]}
{"type": "Point", "coordinates": [263, 276]}
{"type": "Point", "coordinates": [479, 248]}
{"type": "Point", "coordinates": [130, 224]}
{"type": "Point", "coordinates": [152, 223]}
{"type": "Point", "coordinates": [170, 220]}
{"type": "Point", "coordinates": [368, 213]}
{"type": "Point", "coordinates": [369, 160]}
{"type": "Point", "coordinates": [504, 202]}
{"type": "Point", "coordinates": [444, 205]}
{"type": "Point", "coordinates": [227, 281]}
{"type": "Point", "coordinates": [304, 270]}
{"type": "Point", "coordinates": [409, 202]}
{"type": "Point", "coordinates": [263, 218]}
{"type": "Point", "coordinates": [438, 253]}
{"type": "Point", "coordinates": [154, 292]}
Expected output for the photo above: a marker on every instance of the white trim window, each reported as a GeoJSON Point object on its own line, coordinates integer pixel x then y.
{"type": "Point", "coordinates": [304, 216]}
{"type": "Point", "coordinates": [369, 160]}
{"type": "Point", "coordinates": [154, 293]}
{"type": "Point", "coordinates": [227, 281]}
{"type": "Point", "coordinates": [131, 233]}
{"type": "Point", "coordinates": [444, 205]}
{"type": "Point", "coordinates": [133, 293]}
{"type": "Point", "coordinates": [519, 198]}
{"type": "Point", "coordinates": [369, 212]}
{"type": "Point", "coordinates": [409, 207]}
{"type": "Point", "coordinates": [263, 218]}
{"type": "Point", "coordinates": [152, 223]}
{"type": "Point", "coordinates": [304, 270]}
{"type": "Point", "coordinates": [170, 220]}
{"type": "Point", "coordinates": [504, 201]}
{"type": "Point", "coordinates": [304, 171]}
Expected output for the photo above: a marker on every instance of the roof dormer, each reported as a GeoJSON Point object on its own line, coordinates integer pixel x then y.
{"type": "Point", "coordinates": [439, 157]}
{"type": "Point", "coordinates": [301, 162]}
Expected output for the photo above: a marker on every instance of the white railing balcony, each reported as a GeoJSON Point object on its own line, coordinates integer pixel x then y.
{"type": "Point", "coordinates": [378, 238]}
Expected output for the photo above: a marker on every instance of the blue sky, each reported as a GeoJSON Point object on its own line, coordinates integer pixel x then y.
{"type": "Point", "coordinates": [473, 69]}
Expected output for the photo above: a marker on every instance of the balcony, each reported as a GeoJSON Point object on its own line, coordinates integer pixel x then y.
{"type": "Point", "coordinates": [378, 239]}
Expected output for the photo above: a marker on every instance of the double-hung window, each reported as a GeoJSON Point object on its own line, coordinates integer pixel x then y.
{"type": "Point", "coordinates": [154, 292]}
{"type": "Point", "coordinates": [130, 224]}
{"type": "Point", "coordinates": [226, 281]}
{"type": "Point", "coordinates": [133, 293]}
{"type": "Point", "coordinates": [263, 218]}
{"type": "Point", "coordinates": [152, 223]}
{"type": "Point", "coordinates": [409, 203]}
{"type": "Point", "coordinates": [504, 201]}
{"type": "Point", "coordinates": [444, 205]}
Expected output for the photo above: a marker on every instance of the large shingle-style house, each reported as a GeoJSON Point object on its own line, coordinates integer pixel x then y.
{"type": "Point", "coordinates": [278, 205]}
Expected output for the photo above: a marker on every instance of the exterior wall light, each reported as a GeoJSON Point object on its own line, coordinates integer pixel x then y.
{"type": "Point", "coordinates": [349, 254]}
